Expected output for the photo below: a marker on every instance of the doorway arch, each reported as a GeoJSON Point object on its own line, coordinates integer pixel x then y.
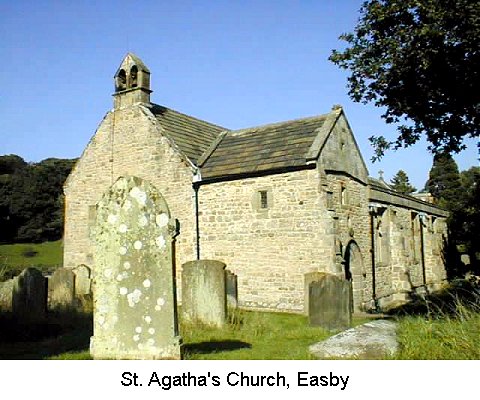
{"type": "Point", "coordinates": [354, 272]}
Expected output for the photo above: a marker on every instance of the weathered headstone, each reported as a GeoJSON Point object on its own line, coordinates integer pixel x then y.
{"type": "Point", "coordinates": [29, 301]}
{"type": "Point", "coordinates": [204, 292]}
{"type": "Point", "coordinates": [309, 278]}
{"type": "Point", "coordinates": [6, 295]}
{"type": "Point", "coordinates": [61, 289]}
{"type": "Point", "coordinates": [133, 279]}
{"type": "Point", "coordinates": [231, 284]}
{"type": "Point", "coordinates": [83, 288]}
{"type": "Point", "coordinates": [82, 280]}
{"type": "Point", "coordinates": [329, 303]}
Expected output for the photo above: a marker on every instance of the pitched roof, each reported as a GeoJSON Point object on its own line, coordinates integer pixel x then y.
{"type": "Point", "coordinates": [192, 136]}
{"type": "Point", "coordinates": [263, 148]}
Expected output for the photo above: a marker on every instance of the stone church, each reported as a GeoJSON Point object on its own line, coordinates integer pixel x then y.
{"type": "Point", "coordinates": [273, 202]}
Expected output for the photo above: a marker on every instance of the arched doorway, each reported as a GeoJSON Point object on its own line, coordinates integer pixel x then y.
{"type": "Point", "coordinates": [354, 272]}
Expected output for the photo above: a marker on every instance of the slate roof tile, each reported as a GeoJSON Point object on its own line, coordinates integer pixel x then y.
{"type": "Point", "coordinates": [263, 148]}
{"type": "Point", "coordinates": [192, 136]}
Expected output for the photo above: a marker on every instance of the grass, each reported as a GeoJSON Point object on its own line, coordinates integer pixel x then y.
{"type": "Point", "coordinates": [253, 336]}
{"type": "Point", "coordinates": [14, 258]}
{"type": "Point", "coordinates": [444, 338]}
{"type": "Point", "coordinates": [249, 336]}
{"type": "Point", "coordinates": [442, 326]}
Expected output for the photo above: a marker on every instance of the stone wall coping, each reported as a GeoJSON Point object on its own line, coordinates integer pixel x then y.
{"type": "Point", "coordinates": [322, 134]}
{"type": "Point", "coordinates": [203, 159]}
{"type": "Point", "coordinates": [388, 196]}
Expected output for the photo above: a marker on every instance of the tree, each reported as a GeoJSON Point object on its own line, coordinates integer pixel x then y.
{"type": "Point", "coordinates": [444, 182]}
{"type": "Point", "coordinates": [468, 214]}
{"type": "Point", "coordinates": [469, 180]}
{"type": "Point", "coordinates": [445, 185]}
{"type": "Point", "coordinates": [11, 163]}
{"type": "Point", "coordinates": [401, 183]}
{"type": "Point", "coordinates": [419, 60]}
{"type": "Point", "coordinates": [31, 199]}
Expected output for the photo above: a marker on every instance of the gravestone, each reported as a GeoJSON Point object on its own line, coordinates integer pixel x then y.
{"type": "Point", "coordinates": [83, 288]}
{"type": "Point", "coordinates": [133, 279]}
{"type": "Point", "coordinates": [329, 303]}
{"type": "Point", "coordinates": [29, 299]}
{"type": "Point", "coordinates": [82, 280]}
{"type": "Point", "coordinates": [61, 289]}
{"type": "Point", "coordinates": [204, 292]}
{"type": "Point", "coordinates": [309, 278]}
{"type": "Point", "coordinates": [231, 284]}
{"type": "Point", "coordinates": [6, 295]}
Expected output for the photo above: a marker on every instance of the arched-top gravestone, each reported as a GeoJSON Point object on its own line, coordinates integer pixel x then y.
{"type": "Point", "coordinates": [134, 290]}
{"type": "Point", "coordinates": [82, 280]}
{"type": "Point", "coordinates": [29, 296]}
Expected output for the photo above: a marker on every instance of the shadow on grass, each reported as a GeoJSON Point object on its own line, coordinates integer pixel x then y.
{"type": "Point", "coordinates": [56, 334]}
{"type": "Point", "coordinates": [215, 346]}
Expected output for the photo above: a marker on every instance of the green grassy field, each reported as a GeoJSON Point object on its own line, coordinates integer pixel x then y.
{"type": "Point", "coordinates": [45, 256]}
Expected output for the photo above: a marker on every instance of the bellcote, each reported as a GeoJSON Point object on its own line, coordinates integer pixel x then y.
{"type": "Point", "coordinates": [132, 82]}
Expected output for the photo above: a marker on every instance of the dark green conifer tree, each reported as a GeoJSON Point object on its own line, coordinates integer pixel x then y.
{"type": "Point", "coordinates": [401, 183]}
{"type": "Point", "coordinates": [444, 182]}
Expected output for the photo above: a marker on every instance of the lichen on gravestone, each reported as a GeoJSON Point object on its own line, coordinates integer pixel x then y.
{"type": "Point", "coordinates": [204, 292]}
{"type": "Point", "coordinates": [134, 288]}
{"type": "Point", "coordinates": [61, 289]}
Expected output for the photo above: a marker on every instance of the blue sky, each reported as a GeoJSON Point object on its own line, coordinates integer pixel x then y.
{"type": "Point", "coordinates": [234, 63]}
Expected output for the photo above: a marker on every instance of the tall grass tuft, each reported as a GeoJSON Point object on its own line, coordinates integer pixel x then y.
{"type": "Point", "coordinates": [449, 331]}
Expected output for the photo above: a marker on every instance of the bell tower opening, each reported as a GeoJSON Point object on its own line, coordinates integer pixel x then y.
{"type": "Point", "coordinates": [133, 76]}
{"type": "Point", "coordinates": [121, 81]}
{"type": "Point", "coordinates": [132, 82]}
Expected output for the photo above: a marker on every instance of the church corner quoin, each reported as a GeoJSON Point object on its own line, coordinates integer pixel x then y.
{"type": "Point", "coordinates": [272, 202]}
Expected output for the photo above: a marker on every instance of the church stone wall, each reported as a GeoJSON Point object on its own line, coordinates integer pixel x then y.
{"type": "Point", "coordinates": [347, 204]}
{"type": "Point", "coordinates": [127, 142]}
{"type": "Point", "coordinates": [269, 249]}
{"type": "Point", "coordinates": [310, 219]}
{"type": "Point", "coordinates": [398, 252]}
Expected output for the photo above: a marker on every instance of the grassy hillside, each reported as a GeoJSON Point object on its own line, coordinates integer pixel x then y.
{"type": "Point", "coordinates": [45, 256]}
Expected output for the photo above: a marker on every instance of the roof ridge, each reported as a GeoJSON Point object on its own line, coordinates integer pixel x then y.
{"type": "Point", "coordinates": [190, 117]}
{"type": "Point", "coordinates": [274, 124]}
